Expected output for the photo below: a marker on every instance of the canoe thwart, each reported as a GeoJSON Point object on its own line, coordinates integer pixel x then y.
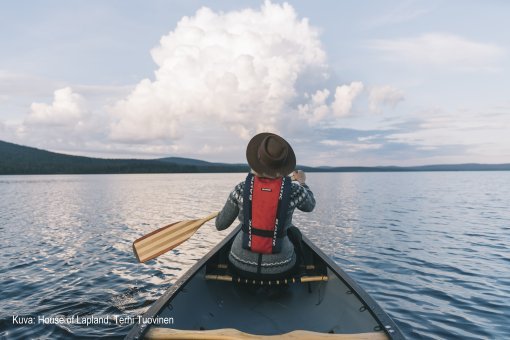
{"type": "Point", "coordinates": [212, 277]}
{"type": "Point", "coordinates": [232, 334]}
{"type": "Point", "coordinates": [301, 279]}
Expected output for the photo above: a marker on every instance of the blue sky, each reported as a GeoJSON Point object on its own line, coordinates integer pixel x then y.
{"type": "Point", "coordinates": [346, 82]}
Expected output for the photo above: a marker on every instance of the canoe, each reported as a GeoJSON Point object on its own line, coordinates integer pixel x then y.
{"type": "Point", "coordinates": [210, 302]}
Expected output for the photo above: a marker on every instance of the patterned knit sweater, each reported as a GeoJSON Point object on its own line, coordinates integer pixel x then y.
{"type": "Point", "coordinates": [244, 259]}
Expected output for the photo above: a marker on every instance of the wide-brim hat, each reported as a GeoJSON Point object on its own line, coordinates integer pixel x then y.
{"type": "Point", "coordinates": [271, 155]}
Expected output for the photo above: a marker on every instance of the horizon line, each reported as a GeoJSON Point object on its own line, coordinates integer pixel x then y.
{"type": "Point", "coordinates": [246, 164]}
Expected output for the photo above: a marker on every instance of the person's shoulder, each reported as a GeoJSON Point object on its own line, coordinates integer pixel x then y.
{"type": "Point", "coordinates": [239, 187]}
{"type": "Point", "coordinates": [236, 195]}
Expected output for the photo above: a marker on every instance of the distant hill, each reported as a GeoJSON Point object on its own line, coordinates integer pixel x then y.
{"type": "Point", "coordinates": [185, 161]}
{"type": "Point", "coordinates": [198, 162]}
{"type": "Point", "coordinates": [18, 159]}
{"type": "Point", "coordinates": [208, 166]}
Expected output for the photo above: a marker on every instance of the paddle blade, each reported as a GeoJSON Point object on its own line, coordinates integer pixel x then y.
{"type": "Point", "coordinates": [167, 238]}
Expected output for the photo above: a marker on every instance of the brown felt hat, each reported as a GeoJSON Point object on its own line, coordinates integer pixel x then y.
{"type": "Point", "coordinates": [270, 154]}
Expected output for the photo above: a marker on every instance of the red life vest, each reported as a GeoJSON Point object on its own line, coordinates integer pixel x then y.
{"type": "Point", "coordinates": [265, 209]}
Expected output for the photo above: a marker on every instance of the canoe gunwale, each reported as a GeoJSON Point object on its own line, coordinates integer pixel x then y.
{"type": "Point", "coordinates": [388, 325]}
{"type": "Point", "coordinates": [372, 306]}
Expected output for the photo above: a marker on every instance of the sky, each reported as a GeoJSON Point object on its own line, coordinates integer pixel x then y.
{"type": "Point", "coordinates": [347, 83]}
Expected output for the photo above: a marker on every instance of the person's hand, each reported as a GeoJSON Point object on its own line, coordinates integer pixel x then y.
{"type": "Point", "coordinates": [299, 176]}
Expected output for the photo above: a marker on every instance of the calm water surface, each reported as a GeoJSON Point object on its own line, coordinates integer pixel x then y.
{"type": "Point", "coordinates": [431, 248]}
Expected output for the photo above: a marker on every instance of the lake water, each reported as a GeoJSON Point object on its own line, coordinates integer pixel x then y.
{"type": "Point", "coordinates": [431, 248]}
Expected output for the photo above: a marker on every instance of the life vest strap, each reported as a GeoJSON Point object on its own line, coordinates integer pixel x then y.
{"type": "Point", "coordinates": [263, 232]}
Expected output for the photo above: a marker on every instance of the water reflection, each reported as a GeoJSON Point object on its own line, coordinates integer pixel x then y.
{"type": "Point", "coordinates": [432, 248]}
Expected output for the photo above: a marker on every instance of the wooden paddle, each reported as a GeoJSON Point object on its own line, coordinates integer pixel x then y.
{"type": "Point", "coordinates": [167, 238]}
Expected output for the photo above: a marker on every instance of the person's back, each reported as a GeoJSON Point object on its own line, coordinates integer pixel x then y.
{"type": "Point", "coordinates": [264, 204]}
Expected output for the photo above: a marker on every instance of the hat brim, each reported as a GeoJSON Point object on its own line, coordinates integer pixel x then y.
{"type": "Point", "coordinates": [257, 166]}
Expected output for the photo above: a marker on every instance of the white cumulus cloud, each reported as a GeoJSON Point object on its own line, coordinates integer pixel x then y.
{"type": "Point", "coordinates": [65, 122]}
{"type": "Point", "coordinates": [385, 95]}
{"type": "Point", "coordinates": [344, 96]}
{"type": "Point", "coordinates": [235, 71]}
{"type": "Point", "coordinates": [67, 108]}
{"type": "Point", "coordinates": [318, 109]}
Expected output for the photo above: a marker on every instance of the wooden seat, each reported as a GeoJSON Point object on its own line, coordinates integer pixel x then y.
{"type": "Point", "coordinates": [233, 334]}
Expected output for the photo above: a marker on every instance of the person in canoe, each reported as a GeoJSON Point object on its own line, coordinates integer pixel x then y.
{"type": "Point", "coordinates": [268, 245]}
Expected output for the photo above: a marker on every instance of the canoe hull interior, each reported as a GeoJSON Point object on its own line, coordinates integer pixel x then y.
{"type": "Point", "coordinates": [337, 306]}
{"type": "Point", "coordinates": [268, 310]}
